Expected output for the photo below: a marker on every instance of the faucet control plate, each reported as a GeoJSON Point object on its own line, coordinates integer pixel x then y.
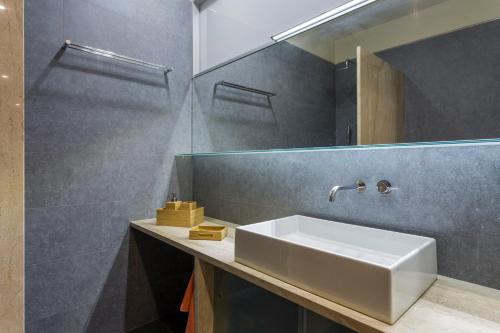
{"type": "Point", "coordinates": [384, 187]}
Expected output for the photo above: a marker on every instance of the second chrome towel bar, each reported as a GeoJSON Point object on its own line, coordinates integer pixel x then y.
{"type": "Point", "coordinates": [240, 87]}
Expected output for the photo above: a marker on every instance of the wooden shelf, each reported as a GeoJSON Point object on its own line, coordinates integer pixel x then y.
{"type": "Point", "coordinates": [448, 305]}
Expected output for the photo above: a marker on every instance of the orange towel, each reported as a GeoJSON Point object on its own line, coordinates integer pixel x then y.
{"type": "Point", "coordinates": [187, 305]}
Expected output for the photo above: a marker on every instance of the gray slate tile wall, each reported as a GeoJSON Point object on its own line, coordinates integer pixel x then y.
{"type": "Point", "coordinates": [101, 139]}
{"type": "Point", "coordinates": [302, 114]}
{"type": "Point", "coordinates": [451, 193]}
{"type": "Point", "coordinates": [452, 84]}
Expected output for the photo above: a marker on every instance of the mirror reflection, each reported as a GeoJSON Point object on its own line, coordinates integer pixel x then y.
{"type": "Point", "coordinates": [395, 71]}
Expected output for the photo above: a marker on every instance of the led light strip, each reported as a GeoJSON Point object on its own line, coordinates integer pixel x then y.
{"type": "Point", "coordinates": [329, 15]}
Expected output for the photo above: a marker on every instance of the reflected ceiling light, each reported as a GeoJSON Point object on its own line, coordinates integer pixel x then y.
{"type": "Point", "coordinates": [2, 7]}
{"type": "Point", "coordinates": [18, 104]}
{"type": "Point", "coordinates": [329, 15]}
{"type": "Point", "coordinates": [5, 76]}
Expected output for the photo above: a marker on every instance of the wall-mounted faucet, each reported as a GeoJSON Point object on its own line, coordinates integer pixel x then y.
{"type": "Point", "coordinates": [359, 186]}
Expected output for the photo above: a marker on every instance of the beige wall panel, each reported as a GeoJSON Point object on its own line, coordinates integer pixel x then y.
{"type": "Point", "coordinates": [11, 167]}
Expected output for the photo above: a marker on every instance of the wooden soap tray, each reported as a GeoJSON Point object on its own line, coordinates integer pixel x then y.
{"type": "Point", "coordinates": [180, 214]}
{"type": "Point", "coordinates": [208, 232]}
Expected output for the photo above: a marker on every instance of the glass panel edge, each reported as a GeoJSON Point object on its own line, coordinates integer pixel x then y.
{"type": "Point", "coordinates": [436, 144]}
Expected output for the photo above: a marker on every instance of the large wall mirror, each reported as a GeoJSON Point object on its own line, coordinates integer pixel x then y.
{"type": "Point", "coordinates": [393, 71]}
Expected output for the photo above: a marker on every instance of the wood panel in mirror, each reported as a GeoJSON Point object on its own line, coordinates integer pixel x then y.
{"type": "Point", "coordinates": [381, 100]}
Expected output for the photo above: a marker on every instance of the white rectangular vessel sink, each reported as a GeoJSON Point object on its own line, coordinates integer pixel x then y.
{"type": "Point", "coordinates": [377, 272]}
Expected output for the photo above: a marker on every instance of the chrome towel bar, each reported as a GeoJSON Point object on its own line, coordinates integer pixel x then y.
{"type": "Point", "coordinates": [240, 87]}
{"type": "Point", "coordinates": [112, 55]}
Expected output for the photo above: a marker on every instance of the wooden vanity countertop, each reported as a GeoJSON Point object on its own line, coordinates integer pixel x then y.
{"type": "Point", "coordinates": [449, 305]}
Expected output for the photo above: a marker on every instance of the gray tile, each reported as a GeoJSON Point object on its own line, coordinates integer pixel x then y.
{"type": "Point", "coordinates": [445, 193]}
{"type": "Point", "coordinates": [440, 111]}
{"type": "Point", "coordinates": [108, 316]}
{"type": "Point", "coordinates": [74, 320]}
{"type": "Point", "coordinates": [488, 261]}
{"type": "Point", "coordinates": [181, 180]}
{"type": "Point", "coordinates": [53, 287]}
{"type": "Point", "coordinates": [46, 20]}
{"type": "Point", "coordinates": [100, 143]}
{"type": "Point", "coordinates": [57, 233]}
{"type": "Point", "coordinates": [91, 177]}
{"type": "Point", "coordinates": [227, 119]}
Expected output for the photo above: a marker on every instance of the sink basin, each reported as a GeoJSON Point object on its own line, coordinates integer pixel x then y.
{"type": "Point", "coordinates": [377, 272]}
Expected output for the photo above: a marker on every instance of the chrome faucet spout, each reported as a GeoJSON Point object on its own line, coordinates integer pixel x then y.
{"type": "Point", "coordinates": [337, 188]}
{"type": "Point", "coordinates": [359, 186]}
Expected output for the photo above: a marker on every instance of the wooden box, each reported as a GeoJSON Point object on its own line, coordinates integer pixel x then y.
{"type": "Point", "coordinates": [180, 214]}
{"type": "Point", "coordinates": [208, 232]}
